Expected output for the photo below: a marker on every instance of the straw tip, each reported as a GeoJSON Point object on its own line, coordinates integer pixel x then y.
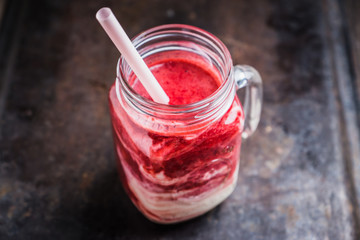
{"type": "Point", "coordinates": [103, 13]}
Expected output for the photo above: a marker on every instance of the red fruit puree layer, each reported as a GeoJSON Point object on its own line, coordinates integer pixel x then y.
{"type": "Point", "coordinates": [182, 80]}
{"type": "Point", "coordinates": [172, 177]}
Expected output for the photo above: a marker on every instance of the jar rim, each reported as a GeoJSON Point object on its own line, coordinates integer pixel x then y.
{"type": "Point", "coordinates": [144, 103]}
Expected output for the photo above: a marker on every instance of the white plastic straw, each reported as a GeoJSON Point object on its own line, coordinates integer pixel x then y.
{"type": "Point", "coordinates": [117, 34]}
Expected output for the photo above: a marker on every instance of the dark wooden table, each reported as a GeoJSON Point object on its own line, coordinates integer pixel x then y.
{"type": "Point", "coordinates": [300, 172]}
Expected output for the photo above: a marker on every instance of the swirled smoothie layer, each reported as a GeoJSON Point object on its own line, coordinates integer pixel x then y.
{"type": "Point", "coordinates": [173, 177]}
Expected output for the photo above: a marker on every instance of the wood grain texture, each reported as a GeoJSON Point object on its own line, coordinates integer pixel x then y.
{"type": "Point", "coordinates": [57, 169]}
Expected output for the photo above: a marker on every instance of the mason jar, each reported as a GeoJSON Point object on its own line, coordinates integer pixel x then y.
{"type": "Point", "coordinates": [177, 162]}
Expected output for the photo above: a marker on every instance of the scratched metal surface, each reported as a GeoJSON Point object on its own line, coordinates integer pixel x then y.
{"type": "Point", "coordinates": [298, 175]}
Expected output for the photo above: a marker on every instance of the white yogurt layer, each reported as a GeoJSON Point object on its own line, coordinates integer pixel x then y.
{"type": "Point", "coordinates": [177, 206]}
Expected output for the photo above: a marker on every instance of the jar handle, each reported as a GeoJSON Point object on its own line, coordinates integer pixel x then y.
{"type": "Point", "coordinates": [246, 76]}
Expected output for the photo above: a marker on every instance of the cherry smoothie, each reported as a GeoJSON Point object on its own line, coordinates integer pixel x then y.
{"type": "Point", "coordinates": [172, 176]}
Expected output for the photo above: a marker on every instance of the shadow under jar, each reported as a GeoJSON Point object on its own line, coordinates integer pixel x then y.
{"type": "Point", "coordinates": [177, 162]}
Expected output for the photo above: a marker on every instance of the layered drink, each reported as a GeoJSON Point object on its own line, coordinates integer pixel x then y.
{"type": "Point", "coordinates": [178, 161]}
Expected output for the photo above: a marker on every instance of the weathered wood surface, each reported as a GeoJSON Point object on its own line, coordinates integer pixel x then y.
{"type": "Point", "coordinates": [299, 172]}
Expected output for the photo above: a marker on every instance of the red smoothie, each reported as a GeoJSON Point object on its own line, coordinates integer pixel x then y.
{"type": "Point", "coordinates": [172, 176]}
{"type": "Point", "coordinates": [183, 81]}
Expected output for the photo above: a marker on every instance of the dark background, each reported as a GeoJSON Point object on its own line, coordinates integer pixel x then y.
{"type": "Point", "coordinates": [300, 172]}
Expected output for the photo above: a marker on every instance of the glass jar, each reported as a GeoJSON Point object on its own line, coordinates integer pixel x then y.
{"type": "Point", "coordinates": [177, 162]}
